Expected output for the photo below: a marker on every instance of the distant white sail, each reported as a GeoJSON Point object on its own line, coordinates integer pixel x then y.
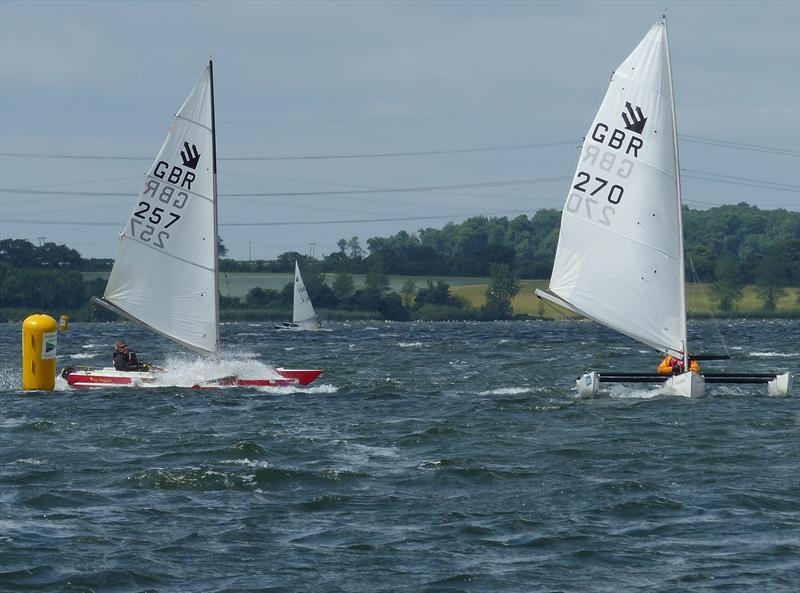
{"type": "Point", "coordinates": [303, 312]}
{"type": "Point", "coordinates": [619, 259]}
{"type": "Point", "coordinates": [165, 272]}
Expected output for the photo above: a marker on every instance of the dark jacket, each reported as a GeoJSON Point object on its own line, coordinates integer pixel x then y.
{"type": "Point", "coordinates": [127, 361]}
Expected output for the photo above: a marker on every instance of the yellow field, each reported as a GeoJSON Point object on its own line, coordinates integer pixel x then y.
{"type": "Point", "coordinates": [697, 300]}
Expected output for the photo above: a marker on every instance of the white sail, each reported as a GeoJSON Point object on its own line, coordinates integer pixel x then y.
{"type": "Point", "coordinates": [303, 312]}
{"type": "Point", "coordinates": [165, 272]}
{"type": "Point", "coordinates": [619, 258]}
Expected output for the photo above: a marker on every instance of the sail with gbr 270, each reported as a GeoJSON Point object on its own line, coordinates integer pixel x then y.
{"type": "Point", "coordinates": [620, 256]}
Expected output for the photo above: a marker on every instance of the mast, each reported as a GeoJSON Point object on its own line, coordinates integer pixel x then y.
{"type": "Point", "coordinates": [216, 226]}
{"type": "Point", "coordinates": [682, 280]}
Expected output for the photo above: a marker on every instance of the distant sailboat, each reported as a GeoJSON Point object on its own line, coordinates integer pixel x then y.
{"type": "Point", "coordinates": [165, 275]}
{"type": "Point", "coordinates": [620, 256]}
{"type": "Point", "coordinates": [303, 315]}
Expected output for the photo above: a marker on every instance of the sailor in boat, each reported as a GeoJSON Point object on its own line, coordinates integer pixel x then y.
{"type": "Point", "coordinates": [126, 360]}
{"type": "Point", "coordinates": [672, 365]}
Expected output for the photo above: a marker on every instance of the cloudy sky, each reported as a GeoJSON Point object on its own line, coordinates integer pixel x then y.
{"type": "Point", "coordinates": [341, 119]}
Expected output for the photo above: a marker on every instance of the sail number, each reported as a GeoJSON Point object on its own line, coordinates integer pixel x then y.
{"type": "Point", "coordinates": [614, 194]}
{"type": "Point", "coordinates": [157, 216]}
{"type": "Point", "coordinates": [582, 199]}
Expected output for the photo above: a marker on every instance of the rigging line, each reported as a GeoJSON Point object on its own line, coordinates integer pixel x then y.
{"type": "Point", "coordinates": [560, 312]}
{"type": "Point", "coordinates": [714, 319]}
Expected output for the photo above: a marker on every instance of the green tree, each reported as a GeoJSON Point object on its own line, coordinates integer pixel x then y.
{"type": "Point", "coordinates": [18, 253]}
{"type": "Point", "coordinates": [356, 252]}
{"type": "Point", "coordinates": [262, 297]}
{"type": "Point", "coordinates": [435, 293]}
{"type": "Point", "coordinates": [770, 275]}
{"type": "Point", "coordinates": [343, 286]}
{"type": "Point", "coordinates": [407, 293]}
{"type": "Point", "coordinates": [727, 286]}
{"type": "Point", "coordinates": [376, 279]}
{"type": "Point", "coordinates": [502, 289]}
{"type": "Point", "coordinates": [222, 251]}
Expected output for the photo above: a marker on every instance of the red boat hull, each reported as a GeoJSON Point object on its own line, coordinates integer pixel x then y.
{"type": "Point", "coordinates": [113, 378]}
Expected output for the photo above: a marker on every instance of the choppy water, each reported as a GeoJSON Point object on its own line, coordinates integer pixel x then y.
{"type": "Point", "coordinates": [428, 457]}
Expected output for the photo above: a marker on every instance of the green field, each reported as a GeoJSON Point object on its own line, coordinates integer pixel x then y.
{"type": "Point", "coordinates": [238, 284]}
{"type": "Point", "coordinates": [473, 289]}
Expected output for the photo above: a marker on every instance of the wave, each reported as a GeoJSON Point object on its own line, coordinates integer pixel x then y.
{"type": "Point", "coordinates": [507, 391]}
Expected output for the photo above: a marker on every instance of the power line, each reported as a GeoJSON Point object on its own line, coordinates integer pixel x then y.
{"type": "Point", "coordinates": [312, 157]}
{"type": "Point", "coordinates": [399, 154]}
{"type": "Point", "coordinates": [505, 183]}
{"type": "Point", "coordinates": [277, 223]}
{"type": "Point", "coordinates": [743, 181]}
{"type": "Point", "coordinates": [739, 145]}
{"type": "Point", "coordinates": [689, 173]}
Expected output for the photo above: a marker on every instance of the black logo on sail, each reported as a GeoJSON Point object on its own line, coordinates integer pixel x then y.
{"type": "Point", "coordinates": [634, 121]}
{"type": "Point", "coordinates": [190, 156]}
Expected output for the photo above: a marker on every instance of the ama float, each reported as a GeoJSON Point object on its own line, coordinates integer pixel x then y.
{"type": "Point", "coordinates": [165, 275]}
{"type": "Point", "coordinates": [620, 257]}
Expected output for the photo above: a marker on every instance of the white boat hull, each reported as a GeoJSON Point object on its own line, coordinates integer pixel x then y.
{"type": "Point", "coordinates": [781, 385]}
{"type": "Point", "coordinates": [686, 385]}
{"type": "Point", "coordinates": [689, 384]}
{"type": "Point", "coordinates": [588, 385]}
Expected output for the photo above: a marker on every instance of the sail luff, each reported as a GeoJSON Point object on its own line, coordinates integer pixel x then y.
{"type": "Point", "coordinates": [215, 195]}
{"type": "Point", "coordinates": [682, 285]}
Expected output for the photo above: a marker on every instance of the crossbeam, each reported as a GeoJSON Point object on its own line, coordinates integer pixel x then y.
{"type": "Point", "coordinates": [736, 378]}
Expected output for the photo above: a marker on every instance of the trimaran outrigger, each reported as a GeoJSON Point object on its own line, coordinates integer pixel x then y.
{"type": "Point", "coordinates": [165, 275]}
{"type": "Point", "coordinates": [620, 258]}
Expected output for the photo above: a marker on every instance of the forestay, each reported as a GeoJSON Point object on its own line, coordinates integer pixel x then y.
{"type": "Point", "coordinates": [303, 312]}
{"type": "Point", "coordinates": [619, 255]}
{"type": "Point", "coordinates": [164, 275]}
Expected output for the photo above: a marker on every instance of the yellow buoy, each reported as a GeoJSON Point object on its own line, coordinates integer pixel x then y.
{"type": "Point", "coordinates": [39, 346]}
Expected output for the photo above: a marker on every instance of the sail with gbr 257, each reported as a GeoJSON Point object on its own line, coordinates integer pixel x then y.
{"type": "Point", "coordinates": [165, 275]}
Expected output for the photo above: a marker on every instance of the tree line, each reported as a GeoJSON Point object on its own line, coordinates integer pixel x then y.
{"type": "Point", "coordinates": [727, 246]}
{"type": "Point", "coordinates": [755, 238]}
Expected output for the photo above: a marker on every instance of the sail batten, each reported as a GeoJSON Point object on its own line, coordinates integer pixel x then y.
{"type": "Point", "coordinates": [165, 272]}
{"type": "Point", "coordinates": [619, 258]}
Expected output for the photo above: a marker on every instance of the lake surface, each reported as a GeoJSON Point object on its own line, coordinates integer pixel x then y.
{"type": "Point", "coordinates": [428, 457]}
